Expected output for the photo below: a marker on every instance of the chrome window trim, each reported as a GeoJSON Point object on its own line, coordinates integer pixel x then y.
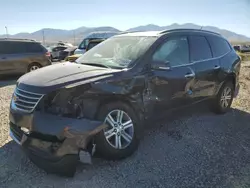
{"type": "Point", "coordinates": [194, 62]}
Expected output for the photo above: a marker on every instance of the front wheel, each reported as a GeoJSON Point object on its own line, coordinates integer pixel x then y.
{"type": "Point", "coordinates": [120, 139]}
{"type": "Point", "coordinates": [224, 99]}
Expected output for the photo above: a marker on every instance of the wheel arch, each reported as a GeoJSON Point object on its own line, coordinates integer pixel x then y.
{"type": "Point", "coordinates": [117, 98]}
{"type": "Point", "coordinates": [33, 63]}
{"type": "Point", "coordinates": [231, 77]}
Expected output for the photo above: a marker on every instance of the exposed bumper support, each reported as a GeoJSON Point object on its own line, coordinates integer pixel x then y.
{"type": "Point", "coordinates": [61, 156]}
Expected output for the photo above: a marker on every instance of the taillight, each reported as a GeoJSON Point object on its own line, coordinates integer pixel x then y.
{"type": "Point", "coordinates": [47, 54]}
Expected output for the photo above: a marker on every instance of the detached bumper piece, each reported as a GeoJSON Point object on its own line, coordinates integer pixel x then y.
{"type": "Point", "coordinates": [55, 150]}
{"type": "Point", "coordinates": [47, 159]}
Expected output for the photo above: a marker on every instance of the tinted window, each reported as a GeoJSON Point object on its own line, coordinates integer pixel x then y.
{"type": "Point", "coordinates": [3, 47]}
{"type": "Point", "coordinates": [60, 48]}
{"type": "Point", "coordinates": [34, 47]}
{"type": "Point", "coordinates": [13, 47]}
{"type": "Point", "coordinates": [174, 50]}
{"type": "Point", "coordinates": [83, 44]}
{"type": "Point", "coordinates": [199, 48]}
{"type": "Point", "coordinates": [92, 44]}
{"type": "Point", "coordinates": [219, 46]}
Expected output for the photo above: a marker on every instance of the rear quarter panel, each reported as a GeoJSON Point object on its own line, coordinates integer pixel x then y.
{"type": "Point", "coordinates": [38, 58]}
{"type": "Point", "coordinates": [230, 65]}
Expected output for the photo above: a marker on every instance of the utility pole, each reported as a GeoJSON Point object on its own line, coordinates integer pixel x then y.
{"type": "Point", "coordinates": [74, 37]}
{"type": "Point", "coordinates": [43, 38]}
{"type": "Point", "coordinates": [7, 34]}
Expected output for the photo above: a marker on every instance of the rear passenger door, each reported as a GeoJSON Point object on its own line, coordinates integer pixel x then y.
{"type": "Point", "coordinates": [4, 66]}
{"type": "Point", "coordinates": [205, 66]}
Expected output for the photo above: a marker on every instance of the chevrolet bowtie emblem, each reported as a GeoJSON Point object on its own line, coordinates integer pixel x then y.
{"type": "Point", "coordinates": [15, 98]}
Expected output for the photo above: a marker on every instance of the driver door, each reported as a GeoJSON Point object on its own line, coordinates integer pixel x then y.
{"type": "Point", "coordinates": [170, 84]}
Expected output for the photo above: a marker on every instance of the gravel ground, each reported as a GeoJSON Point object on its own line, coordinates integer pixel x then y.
{"type": "Point", "coordinates": [192, 149]}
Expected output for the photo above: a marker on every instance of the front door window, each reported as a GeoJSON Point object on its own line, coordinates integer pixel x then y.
{"type": "Point", "coordinates": [174, 50]}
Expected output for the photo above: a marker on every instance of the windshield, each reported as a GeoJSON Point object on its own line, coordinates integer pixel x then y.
{"type": "Point", "coordinates": [117, 52]}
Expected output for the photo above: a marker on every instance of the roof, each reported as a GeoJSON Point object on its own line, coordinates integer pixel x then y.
{"type": "Point", "coordinates": [101, 34]}
{"type": "Point", "coordinates": [159, 33]}
{"type": "Point", "coordinates": [140, 33]}
{"type": "Point", "coordinates": [96, 40]}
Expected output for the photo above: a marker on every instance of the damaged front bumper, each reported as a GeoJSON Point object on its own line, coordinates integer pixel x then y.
{"type": "Point", "coordinates": [53, 143]}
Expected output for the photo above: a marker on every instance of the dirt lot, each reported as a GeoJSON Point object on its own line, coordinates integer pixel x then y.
{"type": "Point", "coordinates": [191, 149]}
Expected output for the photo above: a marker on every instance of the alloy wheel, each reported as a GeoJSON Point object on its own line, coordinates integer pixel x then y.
{"type": "Point", "coordinates": [34, 67]}
{"type": "Point", "coordinates": [226, 97]}
{"type": "Point", "coordinates": [120, 131]}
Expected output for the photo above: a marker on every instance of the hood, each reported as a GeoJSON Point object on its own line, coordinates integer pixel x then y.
{"type": "Point", "coordinates": [59, 75]}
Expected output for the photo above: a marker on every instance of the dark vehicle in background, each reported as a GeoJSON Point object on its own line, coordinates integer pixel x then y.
{"type": "Point", "coordinates": [244, 48]}
{"type": "Point", "coordinates": [18, 56]}
{"type": "Point", "coordinates": [91, 44]}
{"type": "Point", "coordinates": [58, 51]}
{"type": "Point", "coordinates": [67, 52]}
{"type": "Point", "coordinates": [236, 48]}
{"type": "Point", "coordinates": [101, 102]}
{"type": "Point", "coordinates": [55, 51]}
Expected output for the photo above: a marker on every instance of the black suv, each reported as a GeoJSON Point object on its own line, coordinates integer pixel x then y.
{"type": "Point", "coordinates": [100, 103]}
{"type": "Point", "coordinates": [19, 56]}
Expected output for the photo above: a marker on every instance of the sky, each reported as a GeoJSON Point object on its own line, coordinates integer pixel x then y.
{"type": "Point", "coordinates": [33, 15]}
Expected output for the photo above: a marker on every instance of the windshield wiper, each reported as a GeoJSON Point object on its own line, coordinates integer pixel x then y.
{"type": "Point", "coordinates": [96, 64]}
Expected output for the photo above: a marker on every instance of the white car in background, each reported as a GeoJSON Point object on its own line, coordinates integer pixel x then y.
{"type": "Point", "coordinates": [94, 35]}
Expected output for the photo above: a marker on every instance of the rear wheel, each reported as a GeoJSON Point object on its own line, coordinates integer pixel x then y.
{"type": "Point", "coordinates": [224, 98]}
{"type": "Point", "coordinates": [33, 67]}
{"type": "Point", "coordinates": [120, 139]}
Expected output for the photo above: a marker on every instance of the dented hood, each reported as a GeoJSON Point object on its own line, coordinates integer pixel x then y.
{"type": "Point", "coordinates": [63, 74]}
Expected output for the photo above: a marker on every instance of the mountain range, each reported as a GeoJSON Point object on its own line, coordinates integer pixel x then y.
{"type": "Point", "coordinates": [76, 35]}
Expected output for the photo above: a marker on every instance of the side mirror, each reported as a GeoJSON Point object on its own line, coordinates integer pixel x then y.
{"type": "Point", "coordinates": [161, 65]}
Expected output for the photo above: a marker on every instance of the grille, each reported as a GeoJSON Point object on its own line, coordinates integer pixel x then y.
{"type": "Point", "coordinates": [25, 101]}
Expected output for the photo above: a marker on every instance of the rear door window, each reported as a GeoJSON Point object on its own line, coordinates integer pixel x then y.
{"type": "Point", "coordinates": [13, 47]}
{"type": "Point", "coordinates": [219, 46]}
{"type": "Point", "coordinates": [17, 47]}
{"type": "Point", "coordinates": [34, 47]}
{"type": "Point", "coordinates": [199, 48]}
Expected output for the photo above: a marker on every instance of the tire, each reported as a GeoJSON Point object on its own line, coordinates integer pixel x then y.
{"type": "Point", "coordinates": [105, 148]}
{"type": "Point", "coordinates": [217, 104]}
{"type": "Point", "coordinates": [34, 66]}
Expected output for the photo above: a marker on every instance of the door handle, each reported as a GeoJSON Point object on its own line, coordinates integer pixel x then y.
{"type": "Point", "coordinates": [216, 67]}
{"type": "Point", "coordinates": [190, 75]}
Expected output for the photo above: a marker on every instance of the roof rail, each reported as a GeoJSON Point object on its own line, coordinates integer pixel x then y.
{"type": "Point", "coordinates": [124, 32]}
{"type": "Point", "coordinates": [17, 39]}
{"type": "Point", "coordinates": [183, 29]}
